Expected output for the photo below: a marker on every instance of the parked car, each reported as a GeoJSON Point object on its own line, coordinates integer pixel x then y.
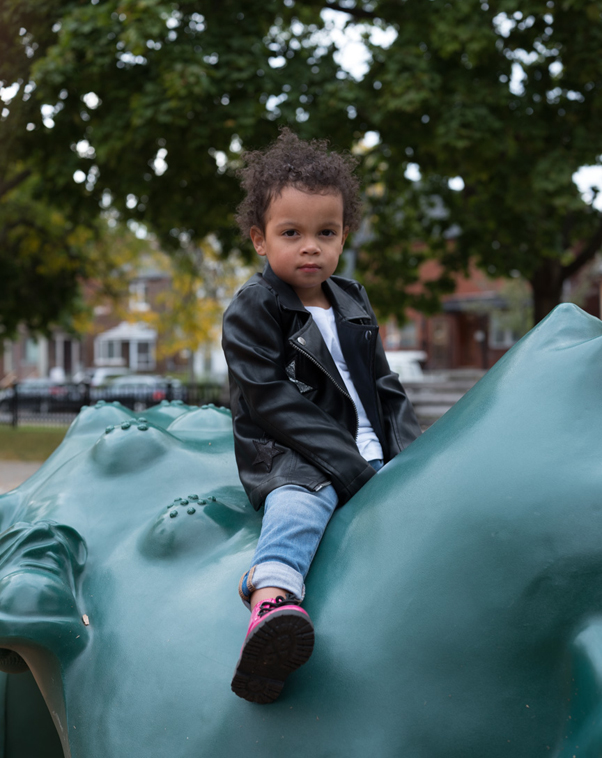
{"type": "Point", "coordinates": [98, 377]}
{"type": "Point", "coordinates": [139, 391]}
{"type": "Point", "coordinates": [406, 363]}
{"type": "Point", "coordinates": [41, 395]}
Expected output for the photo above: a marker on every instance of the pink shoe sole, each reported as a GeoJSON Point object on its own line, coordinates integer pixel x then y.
{"type": "Point", "coordinates": [274, 648]}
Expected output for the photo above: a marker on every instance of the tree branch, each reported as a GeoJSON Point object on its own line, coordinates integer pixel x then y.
{"type": "Point", "coordinates": [14, 182]}
{"type": "Point", "coordinates": [359, 13]}
{"type": "Point", "coordinates": [588, 252]}
{"type": "Point", "coordinates": [355, 12]}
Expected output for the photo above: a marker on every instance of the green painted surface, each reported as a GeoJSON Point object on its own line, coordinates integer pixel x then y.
{"type": "Point", "coordinates": [457, 598]}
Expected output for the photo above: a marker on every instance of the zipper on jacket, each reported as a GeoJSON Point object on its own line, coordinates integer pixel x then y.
{"type": "Point", "coordinates": [332, 379]}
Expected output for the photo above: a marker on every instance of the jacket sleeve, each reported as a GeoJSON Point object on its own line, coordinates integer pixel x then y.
{"type": "Point", "coordinates": [402, 426]}
{"type": "Point", "coordinates": [254, 346]}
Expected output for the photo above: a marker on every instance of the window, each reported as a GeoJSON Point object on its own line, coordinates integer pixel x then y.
{"type": "Point", "coordinates": [32, 351]}
{"type": "Point", "coordinates": [138, 294]}
{"type": "Point", "coordinates": [146, 358]}
{"type": "Point", "coordinates": [404, 337]}
{"type": "Point", "coordinates": [109, 352]}
{"type": "Point", "coordinates": [8, 356]}
{"type": "Point", "coordinates": [500, 336]}
{"type": "Point", "coordinates": [409, 335]}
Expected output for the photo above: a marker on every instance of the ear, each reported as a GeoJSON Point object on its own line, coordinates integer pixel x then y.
{"type": "Point", "coordinates": [258, 240]}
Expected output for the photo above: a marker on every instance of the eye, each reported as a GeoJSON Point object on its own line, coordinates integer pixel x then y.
{"type": "Point", "coordinates": [328, 233]}
{"type": "Point", "coordinates": [289, 233]}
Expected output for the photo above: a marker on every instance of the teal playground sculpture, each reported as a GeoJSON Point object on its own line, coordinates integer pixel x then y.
{"type": "Point", "coordinates": [457, 598]}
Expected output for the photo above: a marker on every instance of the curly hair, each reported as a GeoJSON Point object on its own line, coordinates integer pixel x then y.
{"type": "Point", "coordinates": [292, 162]}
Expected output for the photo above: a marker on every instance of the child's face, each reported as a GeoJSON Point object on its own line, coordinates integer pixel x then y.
{"type": "Point", "coordinates": [303, 240]}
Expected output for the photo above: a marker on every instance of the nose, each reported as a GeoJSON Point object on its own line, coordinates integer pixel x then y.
{"type": "Point", "coordinates": [311, 247]}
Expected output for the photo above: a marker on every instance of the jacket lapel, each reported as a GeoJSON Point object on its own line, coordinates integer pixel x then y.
{"type": "Point", "coordinates": [358, 337]}
{"type": "Point", "coordinates": [308, 339]}
{"type": "Point", "coordinates": [345, 306]}
{"type": "Point", "coordinates": [286, 294]}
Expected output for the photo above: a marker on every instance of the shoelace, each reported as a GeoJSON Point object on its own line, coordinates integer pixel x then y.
{"type": "Point", "coordinates": [278, 602]}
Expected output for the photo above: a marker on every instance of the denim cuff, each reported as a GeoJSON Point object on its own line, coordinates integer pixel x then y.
{"type": "Point", "coordinates": [271, 574]}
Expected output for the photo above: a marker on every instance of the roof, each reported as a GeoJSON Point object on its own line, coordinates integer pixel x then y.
{"type": "Point", "coordinates": [474, 302]}
{"type": "Point", "coordinates": [129, 332]}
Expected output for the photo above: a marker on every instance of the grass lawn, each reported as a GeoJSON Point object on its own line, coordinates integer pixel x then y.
{"type": "Point", "coordinates": [29, 443]}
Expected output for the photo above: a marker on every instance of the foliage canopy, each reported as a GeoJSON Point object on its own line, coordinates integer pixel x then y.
{"type": "Point", "coordinates": [148, 103]}
{"type": "Point", "coordinates": [504, 101]}
{"type": "Point", "coordinates": [140, 107]}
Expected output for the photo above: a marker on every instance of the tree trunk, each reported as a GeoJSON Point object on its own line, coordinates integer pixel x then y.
{"type": "Point", "coordinates": [546, 284]}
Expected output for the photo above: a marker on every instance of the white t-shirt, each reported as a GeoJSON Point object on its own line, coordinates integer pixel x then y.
{"type": "Point", "coordinates": [367, 441]}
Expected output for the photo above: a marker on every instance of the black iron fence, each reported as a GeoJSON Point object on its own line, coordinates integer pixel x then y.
{"type": "Point", "coordinates": [59, 404]}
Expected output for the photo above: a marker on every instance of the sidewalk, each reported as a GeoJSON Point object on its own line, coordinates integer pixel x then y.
{"type": "Point", "coordinates": [14, 473]}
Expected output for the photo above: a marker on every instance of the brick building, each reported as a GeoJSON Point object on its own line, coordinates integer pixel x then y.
{"type": "Point", "coordinates": [472, 331]}
{"type": "Point", "coordinates": [113, 342]}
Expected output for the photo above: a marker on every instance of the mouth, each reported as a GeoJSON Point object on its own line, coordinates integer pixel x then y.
{"type": "Point", "coordinates": [309, 267]}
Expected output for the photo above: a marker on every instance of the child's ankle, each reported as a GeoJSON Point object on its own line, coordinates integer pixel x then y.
{"type": "Point", "coordinates": [266, 593]}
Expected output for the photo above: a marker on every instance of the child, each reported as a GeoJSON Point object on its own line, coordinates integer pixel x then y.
{"type": "Point", "coordinates": [315, 407]}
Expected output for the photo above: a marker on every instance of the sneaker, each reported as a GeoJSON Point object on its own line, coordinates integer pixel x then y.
{"type": "Point", "coordinates": [279, 640]}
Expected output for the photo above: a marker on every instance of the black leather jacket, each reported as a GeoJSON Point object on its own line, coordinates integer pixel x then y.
{"type": "Point", "coordinates": [294, 421]}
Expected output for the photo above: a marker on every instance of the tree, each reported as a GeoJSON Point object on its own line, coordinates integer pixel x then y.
{"type": "Point", "coordinates": [189, 313]}
{"type": "Point", "coordinates": [46, 257]}
{"type": "Point", "coordinates": [42, 258]}
{"type": "Point", "coordinates": [485, 112]}
{"type": "Point", "coordinates": [146, 102]}
{"type": "Point", "coordinates": [143, 107]}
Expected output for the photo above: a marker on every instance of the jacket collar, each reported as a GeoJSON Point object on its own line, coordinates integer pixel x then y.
{"type": "Point", "coordinates": [343, 303]}
{"type": "Point", "coordinates": [286, 294]}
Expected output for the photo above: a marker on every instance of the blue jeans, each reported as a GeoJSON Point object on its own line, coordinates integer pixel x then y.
{"type": "Point", "coordinates": [294, 522]}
